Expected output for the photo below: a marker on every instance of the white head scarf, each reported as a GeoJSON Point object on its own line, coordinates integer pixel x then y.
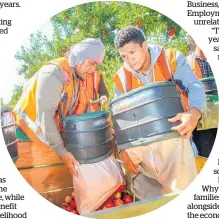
{"type": "Point", "coordinates": [89, 48]}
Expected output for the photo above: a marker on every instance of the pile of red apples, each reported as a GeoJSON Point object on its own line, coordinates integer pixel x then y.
{"type": "Point", "coordinates": [120, 197]}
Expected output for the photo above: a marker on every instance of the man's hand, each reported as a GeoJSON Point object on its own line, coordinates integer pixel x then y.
{"type": "Point", "coordinates": [70, 162]}
{"type": "Point", "coordinates": [104, 100]}
{"type": "Point", "coordinates": [109, 120]}
{"type": "Point", "coordinates": [127, 162]}
{"type": "Point", "coordinates": [189, 122]}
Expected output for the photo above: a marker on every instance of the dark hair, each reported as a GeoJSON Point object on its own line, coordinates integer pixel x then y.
{"type": "Point", "coordinates": [127, 35]}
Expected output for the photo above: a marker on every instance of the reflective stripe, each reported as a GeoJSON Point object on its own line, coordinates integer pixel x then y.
{"type": "Point", "coordinates": [64, 99]}
{"type": "Point", "coordinates": [33, 125]}
{"type": "Point", "coordinates": [190, 60]}
{"type": "Point", "coordinates": [168, 64]}
{"type": "Point", "coordinates": [95, 83]}
{"type": "Point", "coordinates": [122, 77]}
{"type": "Point", "coordinates": [171, 61]}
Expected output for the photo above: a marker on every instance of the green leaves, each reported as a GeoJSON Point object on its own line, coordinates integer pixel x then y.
{"type": "Point", "coordinates": [98, 20]}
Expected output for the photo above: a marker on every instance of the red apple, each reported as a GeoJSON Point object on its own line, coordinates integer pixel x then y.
{"type": "Point", "coordinates": [117, 202]}
{"type": "Point", "coordinates": [118, 195]}
{"type": "Point", "coordinates": [127, 199]}
{"type": "Point", "coordinates": [69, 208]}
{"type": "Point", "coordinates": [172, 32]}
{"type": "Point", "coordinates": [108, 204]}
{"type": "Point", "coordinates": [73, 203]}
{"type": "Point", "coordinates": [139, 23]}
{"type": "Point", "coordinates": [68, 199]}
{"type": "Point", "coordinates": [121, 188]}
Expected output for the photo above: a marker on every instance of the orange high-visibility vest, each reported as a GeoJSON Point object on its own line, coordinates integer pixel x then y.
{"type": "Point", "coordinates": [26, 111]}
{"type": "Point", "coordinates": [91, 84]}
{"type": "Point", "coordinates": [126, 81]}
{"type": "Point", "coordinates": [197, 70]}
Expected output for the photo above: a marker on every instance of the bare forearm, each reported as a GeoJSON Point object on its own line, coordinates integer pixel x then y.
{"type": "Point", "coordinates": [195, 112]}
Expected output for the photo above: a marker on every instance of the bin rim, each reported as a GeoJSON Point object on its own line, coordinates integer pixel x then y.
{"type": "Point", "coordinates": [146, 87]}
{"type": "Point", "coordinates": [86, 116]}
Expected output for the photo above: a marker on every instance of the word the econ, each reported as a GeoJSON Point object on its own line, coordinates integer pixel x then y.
{"type": "Point", "coordinates": [9, 5]}
{"type": "Point", "coordinates": [202, 4]}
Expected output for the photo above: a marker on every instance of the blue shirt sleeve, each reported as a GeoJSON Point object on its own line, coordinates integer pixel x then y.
{"type": "Point", "coordinates": [188, 81]}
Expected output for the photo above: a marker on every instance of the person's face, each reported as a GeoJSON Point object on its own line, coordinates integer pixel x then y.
{"type": "Point", "coordinates": [85, 68]}
{"type": "Point", "coordinates": [135, 55]}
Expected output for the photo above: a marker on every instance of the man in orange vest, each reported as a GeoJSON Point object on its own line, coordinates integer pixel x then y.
{"type": "Point", "coordinates": [56, 91]}
{"type": "Point", "coordinates": [198, 61]}
{"type": "Point", "coordinates": [204, 139]}
{"type": "Point", "coordinates": [169, 165]}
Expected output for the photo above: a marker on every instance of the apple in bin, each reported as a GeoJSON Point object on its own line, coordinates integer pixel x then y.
{"type": "Point", "coordinates": [69, 208]}
{"type": "Point", "coordinates": [108, 204]}
{"type": "Point", "coordinates": [127, 199]}
{"type": "Point", "coordinates": [117, 202]}
{"type": "Point", "coordinates": [121, 188]}
{"type": "Point", "coordinates": [73, 203]}
{"type": "Point", "coordinates": [68, 199]}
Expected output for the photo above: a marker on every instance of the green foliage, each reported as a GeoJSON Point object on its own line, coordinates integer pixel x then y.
{"type": "Point", "coordinates": [16, 95]}
{"type": "Point", "coordinates": [98, 20]}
